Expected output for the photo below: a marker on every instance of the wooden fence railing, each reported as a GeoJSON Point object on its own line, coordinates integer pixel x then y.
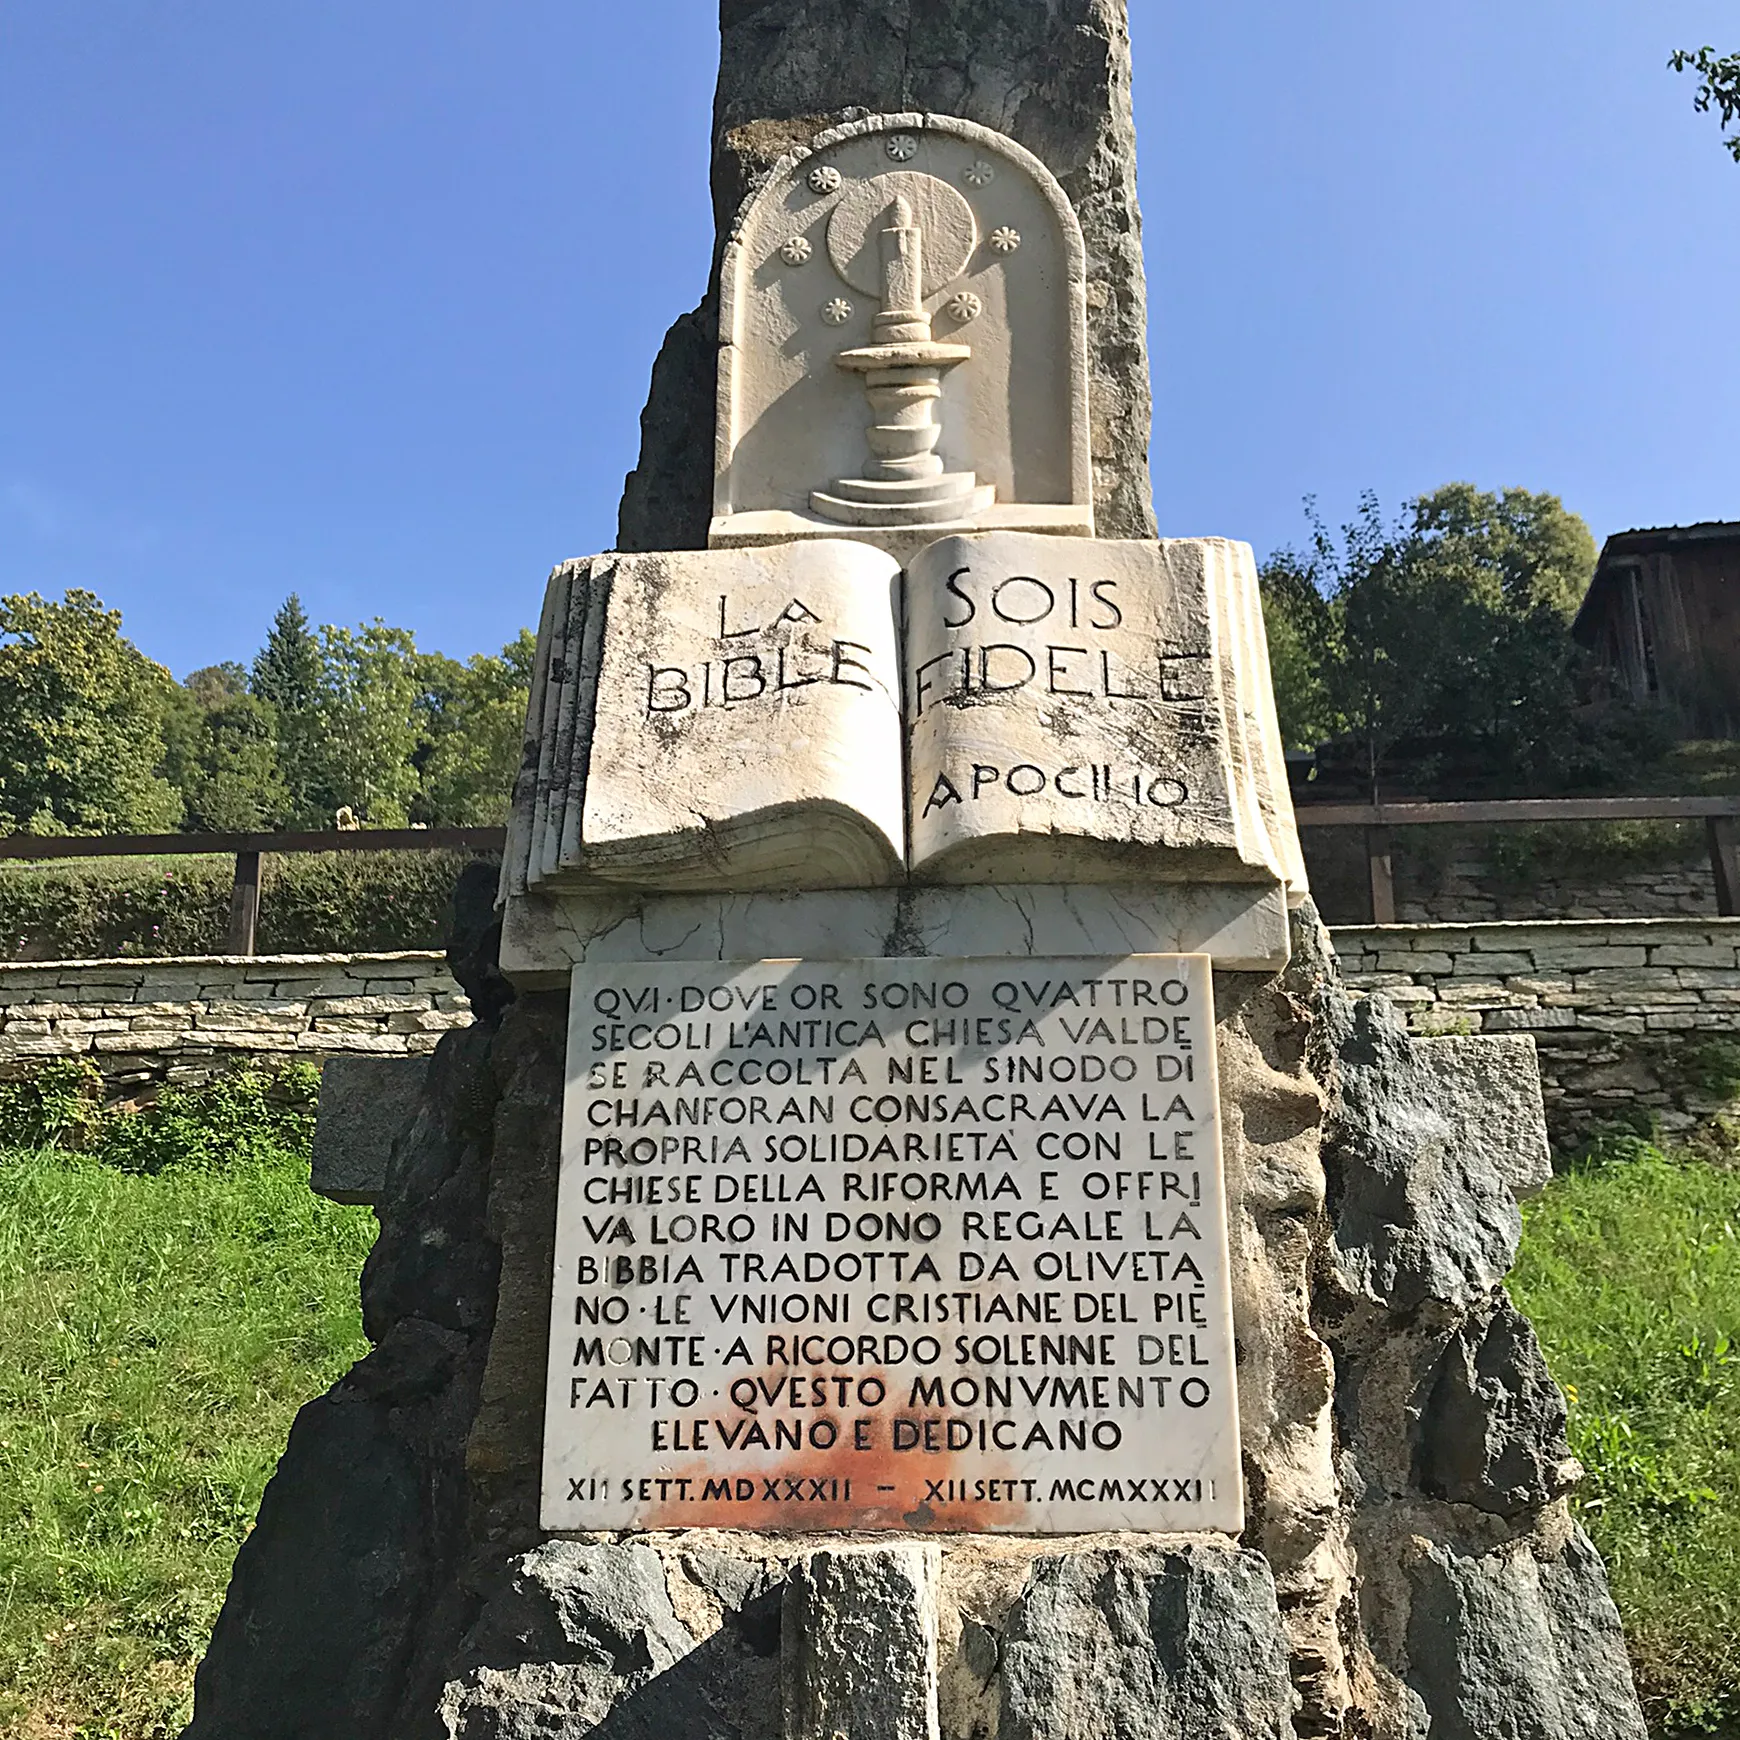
{"type": "Point", "coordinates": [1720, 816]}
{"type": "Point", "coordinates": [249, 849]}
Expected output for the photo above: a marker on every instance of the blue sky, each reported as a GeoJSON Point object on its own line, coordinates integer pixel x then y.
{"type": "Point", "coordinates": [358, 298]}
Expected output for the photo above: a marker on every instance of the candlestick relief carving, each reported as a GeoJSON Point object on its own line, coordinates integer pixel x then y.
{"type": "Point", "coordinates": [942, 382]}
{"type": "Point", "coordinates": [905, 483]}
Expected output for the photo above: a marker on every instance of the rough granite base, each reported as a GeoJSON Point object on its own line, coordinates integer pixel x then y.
{"type": "Point", "coordinates": [1409, 1567]}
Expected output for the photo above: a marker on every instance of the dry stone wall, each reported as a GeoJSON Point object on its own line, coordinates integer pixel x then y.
{"type": "Point", "coordinates": [1443, 877]}
{"type": "Point", "coordinates": [147, 1021]}
{"type": "Point", "coordinates": [1469, 889]}
{"type": "Point", "coordinates": [1628, 1015]}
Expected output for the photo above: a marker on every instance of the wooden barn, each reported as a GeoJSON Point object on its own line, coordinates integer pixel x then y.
{"type": "Point", "coordinates": [1662, 618]}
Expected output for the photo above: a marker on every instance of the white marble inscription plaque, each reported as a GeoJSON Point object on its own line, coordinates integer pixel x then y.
{"type": "Point", "coordinates": [920, 1244]}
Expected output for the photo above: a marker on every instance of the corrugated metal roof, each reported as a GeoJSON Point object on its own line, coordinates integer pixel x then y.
{"type": "Point", "coordinates": [1644, 539]}
{"type": "Point", "coordinates": [1704, 532]}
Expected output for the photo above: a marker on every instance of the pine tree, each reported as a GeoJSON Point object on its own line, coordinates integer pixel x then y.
{"type": "Point", "coordinates": [289, 676]}
{"type": "Point", "coordinates": [287, 668]}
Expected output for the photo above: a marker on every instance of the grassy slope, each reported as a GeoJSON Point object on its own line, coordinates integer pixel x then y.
{"type": "Point", "coordinates": [160, 1333]}
{"type": "Point", "coordinates": [1631, 1272]}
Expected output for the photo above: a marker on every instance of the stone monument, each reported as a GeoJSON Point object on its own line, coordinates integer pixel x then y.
{"type": "Point", "coordinates": [919, 1242]}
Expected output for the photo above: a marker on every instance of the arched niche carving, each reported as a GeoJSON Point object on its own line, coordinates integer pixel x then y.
{"type": "Point", "coordinates": [903, 343]}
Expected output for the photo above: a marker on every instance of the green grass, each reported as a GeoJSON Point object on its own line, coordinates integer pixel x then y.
{"type": "Point", "coordinates": [1707, 766]}
{"type": "Point", "coordinates": [161, 1326]}
{"type": "Point", "coordinates": [172, 1292]}
{"type": "Point", "coordinates": [1630, 1269]}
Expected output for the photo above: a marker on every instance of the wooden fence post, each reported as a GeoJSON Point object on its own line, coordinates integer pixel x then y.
{"type": "Point", "coordinates": [1724, 833]}
{"type": "Point", "coordinates": [1382, 872]}
{"type": "Point", "coordinates": [245, 904]}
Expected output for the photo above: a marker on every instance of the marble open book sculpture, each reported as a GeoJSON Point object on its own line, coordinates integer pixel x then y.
{"type": "Point", "coordinates": [1010, 708]}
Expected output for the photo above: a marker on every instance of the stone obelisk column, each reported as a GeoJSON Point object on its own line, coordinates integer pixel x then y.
{"type": "Point", "coordinates": [1053, 76]}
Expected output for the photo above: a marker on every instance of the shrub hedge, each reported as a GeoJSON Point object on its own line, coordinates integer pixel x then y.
{"type": "Point", "coordinates": [243, 1115]}
{"type": "Point", "coordinates": [313, 903]}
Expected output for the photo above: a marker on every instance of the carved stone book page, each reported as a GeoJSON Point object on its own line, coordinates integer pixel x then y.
{"type": "Point", "coordinates": [1067, 715]}
{"type": "Point", "coordinates": [719, 719]}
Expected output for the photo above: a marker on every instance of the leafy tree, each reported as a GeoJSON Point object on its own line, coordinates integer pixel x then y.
{"type": "Point", "coordinates": [222, 754]}
{"type": "Point", "coordinates": [1718, 88]}
{"type": "Point", "coordinates": [213, 685]}
{"type": "Point", "coordinates": [1439, 641]}
{"type": "Point", "coordinates": [81, 722]}
{"type": "Point", "coordinates": [1379, 643]}
{"type": "Point", "coordinates": [474, 723]}
{"type": "Point", "coordinates": [1304, 641]}
{"type": "Point", "coordinates": [96, 738]}
{"type": "Point", "coordinates": [367, 727]}
{"type": "Point", "coordinates": [1515, 549]}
